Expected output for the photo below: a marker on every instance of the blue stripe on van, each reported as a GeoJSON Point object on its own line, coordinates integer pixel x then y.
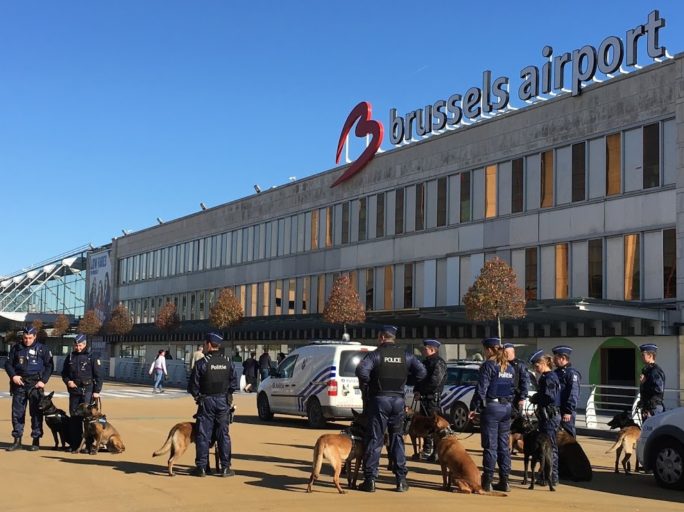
{"type": "Point", "coordinates": [453, 394]}
{"type": "Point", "coordinates": [313, 388]}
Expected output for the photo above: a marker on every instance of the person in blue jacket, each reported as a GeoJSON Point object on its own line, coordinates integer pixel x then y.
{"type": "Point", "coordinates": [547, 400]}
{"type": "Point", "coordinates": [570, 380]}
{"type": "Point", "coordinates": [651, 383]}
{"type": "Point", "coordinates": [493, 398]}
{"type": "Point", "coordinates": [382, 377]}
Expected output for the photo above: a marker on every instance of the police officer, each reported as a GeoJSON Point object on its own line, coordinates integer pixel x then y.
{"type": "Point", "coordinates": [570, 387]}
{"type": "Point", "coordinates": [29, 366]}
{"type": "Point", "coordinates": [429, 390]}
{"type": "Point", "coordinates": [493, 397]}
{"type": "Point", "coordinates": [547, 400]}
{"type": "Point", "coordinates": [652, 382]}
{"type": "Point", "coordinates": [521, 383]}
{"type": "Point", "coordinates": [383, 374]}
{"type": "Point", "coordinates": [212, 383]}
{"type": "Point", "coordinates": [81, 374]}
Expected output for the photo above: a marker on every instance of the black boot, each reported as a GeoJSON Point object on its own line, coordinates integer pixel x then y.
{"type": "Point", "coordinates": [226, 472]}
{"type": "Point", "coordinates": [402, 485]}
{"type": "Point", "coordinates": [15, 445]}
{"type": "Point", "coordinates": [198, 471]}
{"type": "Point", "coordinates": [502, 485]}
{"type": "Point", "coordinates": [367, 485]}
{"type": "Point", "coordinates": [486, 483]}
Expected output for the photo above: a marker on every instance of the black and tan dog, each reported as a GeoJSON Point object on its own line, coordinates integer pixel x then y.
{"type": "Point", "coordinates": [573, 463]}
{"type": "Point", "coordinates": [537, 449]}
{"type": "Point", "coordinates": [626, 440]}
{"type": "Point", "coordinates": [56, 419]}
{"type": "Point", "coordinates": [341, 449]}
{"type": "Point", "coordinates": [97, 428]}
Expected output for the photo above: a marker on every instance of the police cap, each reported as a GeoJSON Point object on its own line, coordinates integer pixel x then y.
{"type": "Point", "coordinates": [491, 342]}
{"type": "Point", "coordinates": [389, 329]}
{"type": "Point", "coordinates": [80, 338]}
{"type": "Point", "coordinates": [536, 356]}
{"type": "Point", "coordinates": [432, 343]}
{"type": "Point", "coordinates": [508, 345]}
{"type": "Point", "coordinates": [648, 347]}
{"type": "Point", "coordinates": [562, 350]}
{"type": "Point", "coordinates": [30, 330]}
{"type": "Point", "coordinates": [212, 337]}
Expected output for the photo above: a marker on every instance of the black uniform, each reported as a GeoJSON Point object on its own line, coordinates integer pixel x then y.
{"type": "Point", "coordinates": [521, 383]}
{"type": "Point", "coordinates": [652, 390]}
{"type": "Point", "coordinates": [430, 390]}
{"type": "Point", "coordinates": [33, 364]}
{"type": "Point", "coordinates": [84, 370]}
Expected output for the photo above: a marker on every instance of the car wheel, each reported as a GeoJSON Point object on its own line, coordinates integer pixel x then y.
{"type": "Point", "coordinates": [459, 418]}
{"type": "Point", "coordinates": [668, 467]}
{"type": "Point", "coordinates": [263, 408]}
{"type": "Point", "coordinates": [314, 413]}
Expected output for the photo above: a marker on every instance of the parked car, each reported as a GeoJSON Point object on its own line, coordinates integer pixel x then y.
{"type": "Point", "coordinates": [660, 447]}
{"type": "Point", "coordinates": [317, 381]}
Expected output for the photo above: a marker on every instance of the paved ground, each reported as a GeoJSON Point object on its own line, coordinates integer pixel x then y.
{"type": "Point", "coordinates": [272, 462]}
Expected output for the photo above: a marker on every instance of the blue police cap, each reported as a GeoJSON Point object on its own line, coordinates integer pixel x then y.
{"type": "Point", "coordinates": [31, 330]}
{"type": "Point", "coordinates": [389, 329]}
{"type": "Point", "coordinates": [491, 342]}
{"type": "Point", "coordinates": [536, 356]}
{"type": "Point", "coordinates": [648, 347]}
{"type": "Point", "coordinates": [212, 337]}
{"type": "Point", "coordinates": [508, 345]}
{"type": "Point", "coordinates": [562, 350]}
{"type": "Point", "coordinates": [432, 343]}
{"type": "Point", "coordinates": [81, 338]}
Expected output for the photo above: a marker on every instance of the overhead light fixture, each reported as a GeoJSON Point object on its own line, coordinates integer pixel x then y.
{"type": "Point", "coordinates": [203, 206]}
{"type": "Point", "coordinates": [160, 221]}
{"type": "Point", "coordinates": [125, 232]}
{"type": "Point", "coordinates": [257, 189]}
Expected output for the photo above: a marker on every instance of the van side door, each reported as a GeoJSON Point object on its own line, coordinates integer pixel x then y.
{"type": "Point", "coordinates": [282, 386]}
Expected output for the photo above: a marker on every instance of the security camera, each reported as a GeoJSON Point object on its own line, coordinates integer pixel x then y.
{"type": "Point", "coordinates": [203, 206]}
{"type": "Point", "coordinates": [257, 189]}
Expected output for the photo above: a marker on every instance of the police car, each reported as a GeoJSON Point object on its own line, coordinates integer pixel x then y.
{"type": "Point", "coordinates": [317, 381]}
{"type": "Point", "coordinates": [660, 447]}
{"type": "Point", "coordinates": [462, 377]}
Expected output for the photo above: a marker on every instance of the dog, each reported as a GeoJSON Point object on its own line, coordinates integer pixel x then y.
{"type": "Point", "coordinates": [573, 463]}
{"type": "Point", "coordinates": [458, 467]}
{"type": "Point", "coordinates": [56, 419]}
{"type": "Point", "coordinates": [626, 440]}
{"type": "Point", "coordinates": [96, 426]}
{"type": "Point", "coordinates": [537, 448]}
{"type": "Point", "coordinates": [518, 426]}
{"type": "Point", "coordinates": [341, 449]}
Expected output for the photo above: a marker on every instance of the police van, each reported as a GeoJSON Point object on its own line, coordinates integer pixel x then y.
{"type": "Point", "coordinates": [317, 381]}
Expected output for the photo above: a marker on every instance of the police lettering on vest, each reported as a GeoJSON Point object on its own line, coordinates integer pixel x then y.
{"type": "Point", "coordinates": [216, 379]}
{"type": "Point", "coordinates": [392, 371]}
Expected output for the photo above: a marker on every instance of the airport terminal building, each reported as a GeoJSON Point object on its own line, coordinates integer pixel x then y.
{"type": "Point", "coordinates": [582, 194]}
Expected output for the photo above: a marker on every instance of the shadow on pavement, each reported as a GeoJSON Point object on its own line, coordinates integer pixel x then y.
{"type": "Point", "coordinates": [636, 485]}
{"type": "Point", "coordinates": [128, 467]}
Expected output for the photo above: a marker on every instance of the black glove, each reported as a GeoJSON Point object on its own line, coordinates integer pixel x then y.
{"type": "Point", "coordinates": [229, 399]}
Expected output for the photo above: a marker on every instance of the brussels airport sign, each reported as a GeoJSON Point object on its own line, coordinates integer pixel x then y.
{"type": "Point", "coordinates": [494, 95]}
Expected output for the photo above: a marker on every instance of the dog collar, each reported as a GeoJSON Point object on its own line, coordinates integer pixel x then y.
{"type": "Point", "coordinates": [445, 432]}
{"type": "Point", "coordinates": [53, 414]}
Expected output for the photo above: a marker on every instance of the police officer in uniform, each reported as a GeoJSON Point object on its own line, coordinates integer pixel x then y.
{"type": "Point", "coordinates": [29, 366]}
{"type": "Point", "coordinates": [521, 383]}
{"type": "Point", "coordinates": [81, 374]}
{"type": "Point", "coordinates": [652, 382]}
{"type": "Point", "coordinates": [493, 399]}
{"type": "Point", "coordinates": [429, 390]}
{"type": "Point", "coordinates": [383, 373]}
{"type": "Point", "coordinates": [547, 400]}
{"type": "Point", "coordinates": [570, 387]}
{"type": "Point", "coordinates": [212, 383]}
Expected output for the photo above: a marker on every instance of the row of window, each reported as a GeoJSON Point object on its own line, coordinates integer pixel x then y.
{"type": "Point", "coordinates": [606, 166]}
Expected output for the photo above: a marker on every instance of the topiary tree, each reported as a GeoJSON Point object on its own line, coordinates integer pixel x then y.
{"type": "Point", "coordinates": [167, 319]}
{"type": "Point", "coordinates": [60, 326]}
{"type": "Point", "coordinates": [227, 310]}
{"type": "Point", "coordinates": [343, 305]}
{"type": "Point", "coordinates": [495, 295]}
{"type": "Point", "coordinates": [38, 325]}
{"type": "Point", "coordinates": [120, 322]}
{"type": "Point", "coordinates": [90, 323]}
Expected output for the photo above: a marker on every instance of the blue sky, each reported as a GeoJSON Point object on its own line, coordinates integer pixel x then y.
{"type": "Point", "coordinates": [115, 113]}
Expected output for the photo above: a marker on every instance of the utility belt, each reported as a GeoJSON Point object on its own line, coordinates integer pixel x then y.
{"type": "Point", "coordinates": [548, 412]}
{"type": "Point", "coordinates": [399, 394]}
{"type": "Point", "coordinates": [500, 400]}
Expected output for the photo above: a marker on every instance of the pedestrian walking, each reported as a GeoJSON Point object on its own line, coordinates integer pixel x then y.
{"type": "Point", "coordinates": [158, 371]}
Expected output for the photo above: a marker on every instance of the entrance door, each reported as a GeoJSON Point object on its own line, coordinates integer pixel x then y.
{"type": "Point", "coordinates": [618, 368]}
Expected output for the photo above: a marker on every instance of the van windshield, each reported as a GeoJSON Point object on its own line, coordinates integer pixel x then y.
{"type": "Point", "coordinates": [349, 360]}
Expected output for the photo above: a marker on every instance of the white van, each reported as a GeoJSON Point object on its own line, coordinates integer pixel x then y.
{"type": "Point", "coordinates": [317, 381]}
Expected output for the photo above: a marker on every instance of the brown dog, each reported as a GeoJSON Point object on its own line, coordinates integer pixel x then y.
{"type": "Point", "coordinates": [180, 437]}
{"type": "Point", "coordinates": [626, 440]}
{"type": "Point", "coordinates": [573, 463]}
{"type": "Point", "coordinates": [97, 428]}
{"type": "Point", "coordinates": [458, 467]}
{"type": "Point", "coordinates": [339, 449]}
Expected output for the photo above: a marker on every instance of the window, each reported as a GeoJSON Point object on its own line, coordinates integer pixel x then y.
{"type": "Point", "coordinates": [595, 268]}
{"type": "Point", "coordinates": [420, 206]}
{"type": "Point", "coordinates": [408, 285]}
{"type": "Point", "coordinates": [531, 273]}
{"type": "Point", "coordinates": [321, 294]}
{"type": "Point", "coordinates": [441, 202]}
{"type": "Point", "coordinates": [613, 164]}
{"type": "Point", "coordinates": [399, 212]}
{"type": "Point", "coordinates": [547, 179]}
{"type": "Point", "coordinates": [669, 264]}
{"type": "Point", "coordinates": [578, 172]}
{"type": "Point", "coordinates": [490, 191]}
{"type": "Point", "coordinates": [380, 216]}
{"type": "Point", "coordinates": [388, 294]}
{"type": "Point", "coordinates": [143, 266]}
{"type": "Point", "coordinates": [278, 297]}
{"type": "Point", "coordinates": [287, 367]}
{"type": "Point", "coordinates": [465, 196]}
{"type": "Point", "coordinates": [651, 155]}
{"type": "Point", "coordinates": [242, 296]}
{"type": "Point", "coordinates": [345, 222]}
{"type": "Point", "coordinates": [253, 299]}
{"type": "Point", "coordinates": [291, 290]}
{"type": "Point", "coordinates": [328, 226]}
{"type": "Point", "coordinates": [306, 283]}
{"type": "Point", "coordinates": [202, 305]}
{"type": "Point", "coordinates": [562, 291]}
{"type": "Point", "coordinates": [369, 289]}
{"type": "Point", "coordinates": [517, 186]}
{"type": "Point", "coordinates": [362, 219]}
{"type": "Point", "coordinates": [265, 298]}
{"type": "Point", "coordinates": [632, 268]}
{"type": "Point", "coordinates": [314, 229]}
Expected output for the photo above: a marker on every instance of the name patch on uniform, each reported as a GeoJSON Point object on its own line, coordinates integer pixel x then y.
{"type": "Point", "coordinates": [218, 366]}
{"type": "Point", "coordinates": [32, 352]}
{"type": "Point", "coordinates": [392, 359]}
